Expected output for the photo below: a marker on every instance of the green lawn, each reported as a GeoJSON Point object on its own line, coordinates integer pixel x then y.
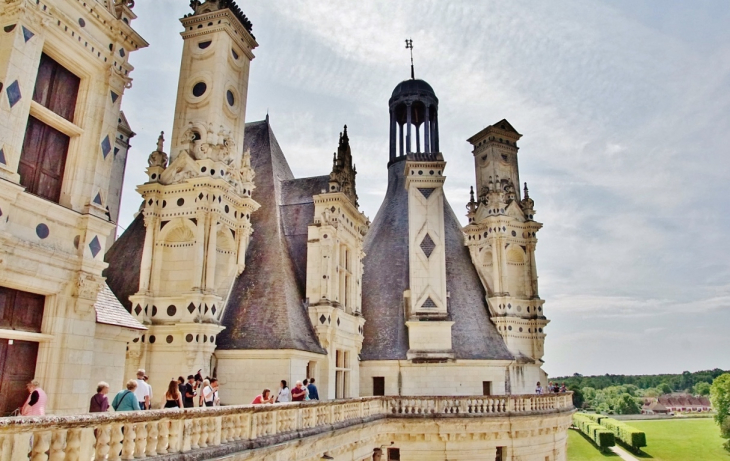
{"type": "Point", "coordinates": [668, 440]}
{"type": "Point", "coordinates": [680, 439]}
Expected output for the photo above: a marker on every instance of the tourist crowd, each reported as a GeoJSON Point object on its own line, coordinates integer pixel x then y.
{"type": "Point", "coordinates": [552, 387]}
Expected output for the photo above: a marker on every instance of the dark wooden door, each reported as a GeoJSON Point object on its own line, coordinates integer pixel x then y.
{"type": "Point", "coordinates": [17, 365]}
{"type": "Point", "coordinates": [378, 385]}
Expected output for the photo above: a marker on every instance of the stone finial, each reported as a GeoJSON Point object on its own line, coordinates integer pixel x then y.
{"type": "Point", "coordinates": [472, 205]}
{"type": "Point", "coordinates": [161, 142]}
{"type": "Point", "coordinates": [527, 192]}
{"type": "Point", "coordinates": [342, 177]}
{"type": "Point", "coordinates": [159, 157]}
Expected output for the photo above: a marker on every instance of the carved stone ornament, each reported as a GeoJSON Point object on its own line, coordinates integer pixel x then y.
{"type": "Point", "coordinates": [181, 169]}
{"type": "Point", "coordinates": [87, 287]}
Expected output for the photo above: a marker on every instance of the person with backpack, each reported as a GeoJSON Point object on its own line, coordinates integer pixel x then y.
{"type": "Point", "coordinates": [125, 400]}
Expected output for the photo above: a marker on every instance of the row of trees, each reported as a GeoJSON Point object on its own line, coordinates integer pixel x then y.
{"type": "Point", "coordinates": [695, 383]}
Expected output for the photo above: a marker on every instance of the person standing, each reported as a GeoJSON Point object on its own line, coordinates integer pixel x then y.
{"type": "Point", "coordinates": [181, 385]}
{"type": "Point", "coordinates": [313, 393]}
{"type": "Point", "coordinates": [142, 391]}
{"type": "Point", "coordinates": [298, 393]}
{"type": "Point", "coordinates": [35, 404]}
{"type": "Point", "coordinates": [306, 389]}
{"type": "Point", "coordinates": [125, 400]}
{"type": "Point", "coordinates": [189, 393]}
{"type": "Point", "coordinates": [538, 388]}
{"type": "Point", "coordinates": [210, 393]}
{"type": "Point", "coordinates": [201, 398]}
{"type": "Point", "coordinates": [173, 397]}
{"type": "Point", "coordinates": [284, 393]}
{"type": "Point", "coordinates": [149, 386]}
{"type": "Point", "coordinates": [99, 402]}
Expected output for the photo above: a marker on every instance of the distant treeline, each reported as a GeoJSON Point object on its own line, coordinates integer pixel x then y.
{"type": "Point", "coordinates": [676, 383]}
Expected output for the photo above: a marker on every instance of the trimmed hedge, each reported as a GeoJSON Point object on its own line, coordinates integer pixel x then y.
{"type": "Point", "coordinates": [625, 433]}
{"type": "Point", "coordinates": [601, 436]}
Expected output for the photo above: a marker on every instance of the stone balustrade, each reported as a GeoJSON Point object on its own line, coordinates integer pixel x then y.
{"type": "Point", "coordinates": [220, 431]}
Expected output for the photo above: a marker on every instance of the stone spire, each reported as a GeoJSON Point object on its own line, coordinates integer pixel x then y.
{"type": "Point", "coordinates": [342, 178]}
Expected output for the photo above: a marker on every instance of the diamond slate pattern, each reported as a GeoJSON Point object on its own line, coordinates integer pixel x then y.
{"type": "Point", "coordinates": [427, 245]}
{"type": "Point", "coordinates": [95, 246]}
{"type": "Point", "coordinates": [428, 303]}
{"type": "Point", "coordinates": [97, 199]}
{"type": "Point", "coordinates": [106, 146]}
{"type": "Point", "coordinates": [2, 157]}
{"type": "Point", "coordinates": [13, 92]}
{"type": "Point", "coordinates": [322, 319]}
{"type": "Point", "coordinates": [27, 35]}
{"type": "Point", "coordinates": [426, 191]}
{"type": "Point", "coordinates": [114, 97]}
{"type": "Point", "coordinates": [191, 308]}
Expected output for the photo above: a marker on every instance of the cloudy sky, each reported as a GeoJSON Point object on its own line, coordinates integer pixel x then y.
{"type": "Point", "coordinates": [625, 112]}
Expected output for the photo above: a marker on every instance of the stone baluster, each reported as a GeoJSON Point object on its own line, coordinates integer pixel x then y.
{"type": "Point", "coordinates": [203, 439]}
{"type": "Point", "coordinates": [103, 439]}
{"type": "Point", "coordinates": [140, 442]}
{"type": "Point", "coordinates": [194, 433]}
{"type": "Point", "coordinates": [128, 444]}
{"type": "Point", "coordinates": [116, 441]}
{"type": "Point", "coordinates": [57, 450]}
{"type": "Point", "coordinates": [74, 439]}
{"type": "Point", "coordinates": [179, 438]}
{"type": "Point", "coordinates": [163, 436]}
{"type": "Point", "coordinates": [41, 444]}
{"type": "Point", "coordinates": [225, 423]}
{"type": "Point", "coordinates": [152, 434]}
{"type": "Point", "coordinates": [217, 430]}
{"type": "Point", "coordinates": [6, 448]}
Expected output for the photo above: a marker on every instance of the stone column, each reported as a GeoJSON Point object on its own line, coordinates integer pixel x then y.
{"type": "Point", "coordinates": [150, 223]}
{"type": "Point", "coordinates": [393, 132]}
{"type": "Point", "coordinates": [400, 138]}
{"type": "Point", "coordinates": [427, 131]}
{"type": "Point", "coordinates": [409, 108]}
{"type": "Point", "coordinates": [496, 267]}
{"type": "Point", "coordinates": [533, 270]}
{"type": "Point", "coordinates": [436, 146]}
{"type": "Point", "coordinates": [418, 139]}
{"type": "Point", "coordinates": [200, 226]}
{"type": "Point", "coordinates": [211, 257]}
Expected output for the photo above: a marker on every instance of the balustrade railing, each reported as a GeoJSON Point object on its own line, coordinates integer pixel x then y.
{"type": "Point", "coordinates": [146, 434]}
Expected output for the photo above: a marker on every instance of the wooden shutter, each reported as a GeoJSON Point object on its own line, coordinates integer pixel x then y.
{"type": "Point", "coordinates": [43, 160]}
{"type": "Point", "coordinates": [56, 88]}
{"type": "Point", "coordinates": [20, 310]}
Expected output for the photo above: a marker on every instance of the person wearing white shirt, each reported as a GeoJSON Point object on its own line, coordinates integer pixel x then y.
{"type": "Point", "coordinates": [210, 393]}
{"type": "Point", "coordinates": [143, 392]}
{"type": "Point", "coordinates": [284, 393]}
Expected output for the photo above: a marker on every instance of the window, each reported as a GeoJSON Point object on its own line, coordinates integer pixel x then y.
{"type": "Point", "coordinates": [500, 454]}
{"type": "Point", "coordinates": [342, 374]}
{"type": "Point", "coordinates": [378, 385]}
{"type": "Point", "coordinates": [45, 147]}
{"type": "Point", "coordinates": [486, 388]}
{"type": "Point", "coordinates": [393, 454]}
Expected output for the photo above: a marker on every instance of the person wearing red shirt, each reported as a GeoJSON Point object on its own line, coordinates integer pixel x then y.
{"type": "Point", "coordinates": [263, 397]}
{"type": "Point", "coordinates": [298, 393]}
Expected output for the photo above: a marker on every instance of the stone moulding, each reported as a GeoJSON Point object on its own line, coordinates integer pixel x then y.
{"type": "Point", "coordinates": [204, 433]}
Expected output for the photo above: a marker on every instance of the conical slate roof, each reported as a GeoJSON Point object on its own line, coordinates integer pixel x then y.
{"type": "Point", "coordinates": [385, 279]}
{"type": "Point", "coordinates": [266, 307]}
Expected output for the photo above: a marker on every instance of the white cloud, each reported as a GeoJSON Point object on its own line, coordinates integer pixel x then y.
{"type": "Point", "coordinates": [624, 119]}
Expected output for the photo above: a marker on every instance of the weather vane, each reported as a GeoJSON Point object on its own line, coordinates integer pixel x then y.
{"type": "Point", "coordinates": [409, 46]}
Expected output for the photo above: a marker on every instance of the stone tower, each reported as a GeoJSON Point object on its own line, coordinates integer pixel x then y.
{"type": "Point", "coordinates": [197, 209]}
{"type": "Point", "coordinates": [501, 237]}
{"type": "Point", "coordinates": [334, 276]}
